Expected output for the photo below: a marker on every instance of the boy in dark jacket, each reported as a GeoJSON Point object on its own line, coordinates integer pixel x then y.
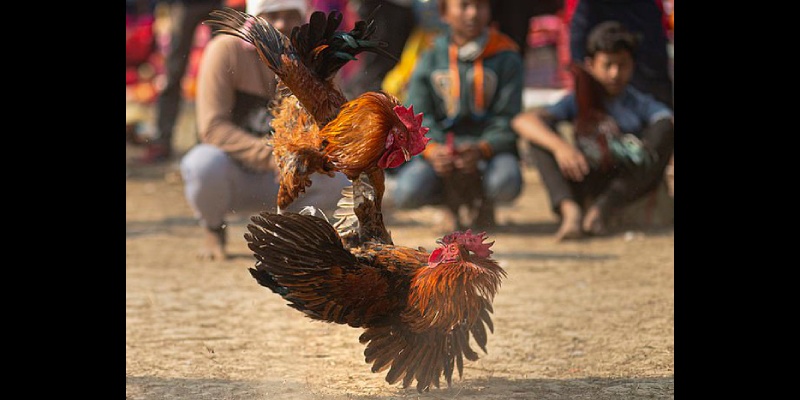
{"type": "Point", "coordinates": [469, 83]}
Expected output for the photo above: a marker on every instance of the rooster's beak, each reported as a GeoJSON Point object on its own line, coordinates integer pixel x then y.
{"type": "Point", "coordinates": [406, 154]}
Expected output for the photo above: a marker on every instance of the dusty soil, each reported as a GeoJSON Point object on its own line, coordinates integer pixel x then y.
{"type": "Point", "coordinates": [582, 320]}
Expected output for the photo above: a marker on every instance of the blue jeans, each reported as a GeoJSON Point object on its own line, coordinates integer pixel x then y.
{"type": "Point", "coordinates": [418, 185]}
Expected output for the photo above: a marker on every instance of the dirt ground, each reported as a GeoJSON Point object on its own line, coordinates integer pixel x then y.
{"type": "Point", "coordinates": [582, 320]}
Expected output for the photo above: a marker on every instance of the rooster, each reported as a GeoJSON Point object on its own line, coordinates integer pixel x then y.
{"type": "Point", "coordinates": [316, 129]}
{"type": "Point", "coordinates": [596, 132]}
{"type": "Point", "coordinates": [418, 309]}
{"type": "Point", "coordinates": [593, 126]}
{"type": "Point", "coordinates": [462, 190]}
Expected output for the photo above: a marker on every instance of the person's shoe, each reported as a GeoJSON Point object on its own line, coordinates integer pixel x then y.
{"type": "Point", "coordinates": [155, 153]}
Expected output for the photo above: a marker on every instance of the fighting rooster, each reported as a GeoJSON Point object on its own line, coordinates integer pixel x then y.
{"type": "Point", "coordinates": [463, 190]}
{"type": "Point", "coordinates": [418, 309]}
{"type": "Point", "coordinates": [596, 132]}
{"type": "Point", "coordinates": [316, 130]}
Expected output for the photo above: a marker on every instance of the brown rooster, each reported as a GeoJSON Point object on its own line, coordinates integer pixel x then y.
{"type": "Point", "coordinates": [316, 130]}
{"type": "Point", "coordinates": [597, 133]}
{"type": "Point", "coordinates": [462, 191]}
{"type": "Point", "coordinates": [418, 309]}
{"type": "Point", "coordinates": [594, 128]}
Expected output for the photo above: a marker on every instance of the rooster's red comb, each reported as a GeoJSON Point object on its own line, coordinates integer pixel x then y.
{"type": "Point", "coordinates": [406, 115]}
{"type": "Point", "coordinates": [413, 124]}
{"type": "Point", "coordinates": [471, 241]}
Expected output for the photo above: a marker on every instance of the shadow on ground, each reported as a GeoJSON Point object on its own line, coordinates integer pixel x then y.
{"type": "Point", "coordinates": [144, 387]}
{"type": "Point", "coordinates": [539, 255]}
{"type": "Point", "coordinates": [135, 229]}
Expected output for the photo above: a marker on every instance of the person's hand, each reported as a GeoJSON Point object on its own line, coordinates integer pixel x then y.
{"type": "Point", "coordinates": [468, 156]}
{"type": "Point", "coordinates": [572, 162]}
{"type": "Point", "coordinates": [441, 160]}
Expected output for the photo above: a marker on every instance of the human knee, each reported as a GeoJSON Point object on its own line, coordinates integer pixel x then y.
{"type": "Point", "coordinates": [415, 185]}
{"type": "Point", "coordinates": [203, 170]}
{"type": "Point", "coordinates": [504, 193]}
{"type": "Point", "coordinates": [503, 178]}
{"type": "Point", "coordinates": [412, 194]}
{"type": "Point", "coordinates": [202, 161]}
{"type": "Point", "coordinates": [325, 191]}
{"type": "Point", "coordinates": [403, 198]}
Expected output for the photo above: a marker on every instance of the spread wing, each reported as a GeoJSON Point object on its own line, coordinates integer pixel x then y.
{"type": "Point", "coordinates": [320, 97]}
{"type": "Point", "coordinates": [301, 258]}
{"type": "Point", "coordinates": [307, 62]}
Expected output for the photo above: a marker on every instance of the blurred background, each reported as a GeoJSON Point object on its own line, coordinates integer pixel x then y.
{"type": "Point", "coordinates": [543, 34]}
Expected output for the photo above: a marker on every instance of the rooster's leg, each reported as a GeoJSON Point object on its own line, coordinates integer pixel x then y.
{"type": "Point", "coordinates": [377, 178]}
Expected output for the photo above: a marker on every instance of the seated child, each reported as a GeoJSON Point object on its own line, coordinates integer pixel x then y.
{"type": "Point", "coordinates": [468, 83]}
{"type": "Point", "coordinates": [594, 176]}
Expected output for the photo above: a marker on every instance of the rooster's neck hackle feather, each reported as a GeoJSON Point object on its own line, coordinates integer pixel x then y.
{"type": "Point", "coordinates": [372, 114]}
{"type": "Point", "coordinates": [590, 96]}
{"type": "Point", "coordinates": [453, 293]}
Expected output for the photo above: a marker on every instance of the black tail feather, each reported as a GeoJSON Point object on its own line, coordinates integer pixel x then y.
{"type": "Point", "coordinates": [317, 44]}
{"type": "Point", "coordinates": [325, 50]}
{"type": "Point", "coordinates": [269, 42]}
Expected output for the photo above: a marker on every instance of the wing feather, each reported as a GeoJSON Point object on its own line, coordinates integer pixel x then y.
{"type": "Point", "coordinates": [302, 258]}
